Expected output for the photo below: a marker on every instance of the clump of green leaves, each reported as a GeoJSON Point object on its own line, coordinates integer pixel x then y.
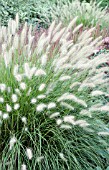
{"type": "Point", "coordinates": [30, 11]}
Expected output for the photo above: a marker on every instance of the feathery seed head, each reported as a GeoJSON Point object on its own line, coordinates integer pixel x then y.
{"type": "Point", "coordinates": [29, 153]}
{"type": "Point", "coordinates": [14, 98]}
{"type": "Point", "coordinates": [23, 167]}
{"type": "Point", "coordinates": [1, 99]}
{"type": "Point", "coordinates": [51, 105]}
{"type": "Point", "coordinates": [13, 140]}
{"type": "Point", "coordinates": [33, 100]}
{"type": "Point", "coordinates": [1, 113]}
{"type": "Point", "coordinates": [40, 158]}
{"type": "Point", "coordinates": [22, 85]}
{"type": "Point", "coordinates": [42, 86]}
{"type": "Point", "coordinates": [5, 116]}
{"type": "Point", "coordinates": [41, 107]}
{"type": "Point", "coordinates": [8, 108]}
{"type": "Point", "coordinates": [62, 157]}
{"type": "Point", "coordinates": [16, 106]}
{"type": "Point", "coordinates": [24, 120]}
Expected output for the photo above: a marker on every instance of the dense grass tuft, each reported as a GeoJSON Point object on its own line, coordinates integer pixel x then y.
{"type": "Point", "coordinates": [53, 106]}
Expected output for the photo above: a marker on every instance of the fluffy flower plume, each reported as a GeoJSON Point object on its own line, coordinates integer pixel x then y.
{"type": "Point", "coordinates": [62, 156]}
{"type": "Point", "coordinates": [12, 142]}
{"type": "Point", "coordinates": [29, 153]}
{"type": "Point", "coordinates": [23, 167]}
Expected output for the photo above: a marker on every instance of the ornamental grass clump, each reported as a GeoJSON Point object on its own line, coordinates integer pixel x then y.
{"type": "Point", "coordinates": [53, 107]}
{"type": "Point", "coordinates": [89, 13]}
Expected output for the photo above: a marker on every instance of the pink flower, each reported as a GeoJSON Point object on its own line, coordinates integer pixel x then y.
{"type": "Point", "coordinates": [106, 40]}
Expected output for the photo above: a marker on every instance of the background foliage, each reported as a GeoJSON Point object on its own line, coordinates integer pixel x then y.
{"type": "Point", "coordinates": [32, 11]}
{"type": "Point", "coordinates": [28, 10]}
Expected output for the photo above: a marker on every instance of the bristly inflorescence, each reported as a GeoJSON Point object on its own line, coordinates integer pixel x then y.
{"type": "Point", "coordinates": [55, 82]}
